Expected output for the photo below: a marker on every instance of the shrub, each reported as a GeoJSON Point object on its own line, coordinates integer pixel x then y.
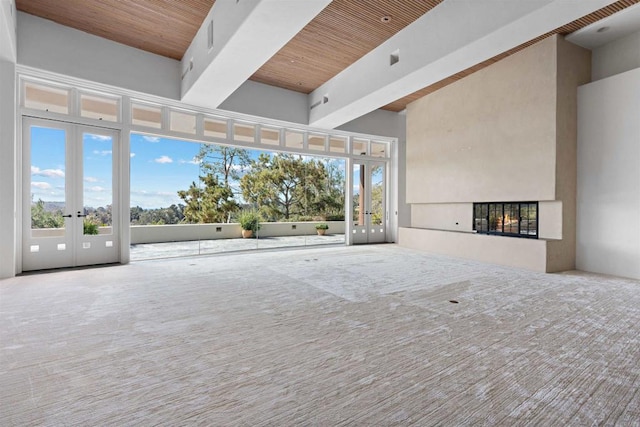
{"type": "Point", "coordinates": [90, 228]}
{"type": "Point", "coordinates": [249, 220]}
{"type": "Point", "coordinates": [322, 226]}
{"type": "Point", "coordinates": [335, 217]}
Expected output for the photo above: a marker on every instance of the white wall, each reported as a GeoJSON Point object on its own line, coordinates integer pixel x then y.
{"type": "Point", "coordinates": [49, 46]}
{"type": "Point", "coordinates": [8, 16]}
{"type": "Point", "coordinates": [608, 215]}
{"type": "Point", "coordinates": [8, 172]}
{"type": "Point", "coordinates": [262, 100]}
{"type": "Point", "coordinates": [616, 57]}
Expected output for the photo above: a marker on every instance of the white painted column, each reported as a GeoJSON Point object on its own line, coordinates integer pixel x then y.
{"type": "Point", "coordinates": [8, 169]}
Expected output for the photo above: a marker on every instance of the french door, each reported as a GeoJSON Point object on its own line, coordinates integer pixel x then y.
{"type": "Point", "coordinates": [370, 213]}
{"type": "Point", "coordinates": [70, 195]}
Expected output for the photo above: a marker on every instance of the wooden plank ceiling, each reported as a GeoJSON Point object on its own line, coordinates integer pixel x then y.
{"type": "Point", "coordinates": [341, 34]}
{"type": "Point", "coordinates": [337, 37]}
{"type": "Point", "coordinates": [163, 27]}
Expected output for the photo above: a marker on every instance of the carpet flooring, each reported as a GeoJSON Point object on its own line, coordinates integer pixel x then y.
{"type": "Point", "coordinates": [363, 336]}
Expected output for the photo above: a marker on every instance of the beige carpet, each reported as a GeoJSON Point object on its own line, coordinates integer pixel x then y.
{"type": "Point", "coordinates": [334, 336]}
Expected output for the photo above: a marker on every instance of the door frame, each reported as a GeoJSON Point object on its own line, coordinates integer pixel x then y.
{"type": "Point", "coordinates": [74, 189]}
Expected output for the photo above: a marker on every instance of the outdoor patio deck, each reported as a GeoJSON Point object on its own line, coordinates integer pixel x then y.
{"type": "Point", "coordinates": [142, 251]}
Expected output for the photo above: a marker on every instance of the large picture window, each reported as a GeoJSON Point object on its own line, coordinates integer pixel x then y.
{"type": "Point", "coordinates": [516, 219]}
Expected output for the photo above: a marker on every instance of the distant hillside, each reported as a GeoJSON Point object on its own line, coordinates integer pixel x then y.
{"type": "Point", "coordinates": [53, 206]}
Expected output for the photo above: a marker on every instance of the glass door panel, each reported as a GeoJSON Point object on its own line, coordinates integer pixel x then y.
{"type": "Point", "coordinates": [48, 197]}
{"type": "Point", "coordinates": [97, 228]}
{"type": "Point", "coordinates": [360, 187]}
{"type": "Point", "coordinates": [47, 231]}
{"type": "Point", "coordinates": [377, 205]}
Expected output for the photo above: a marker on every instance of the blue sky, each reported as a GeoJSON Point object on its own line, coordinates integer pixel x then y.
{"type": "Point", "coordinates": [159, 168]}
{"type": "Point", "coordinates": [49, 168]}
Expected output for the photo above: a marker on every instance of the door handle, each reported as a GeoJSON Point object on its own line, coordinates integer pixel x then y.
{"type": "Point", "coordinates": [67, 216]}
{"type": "Point", "coordinates": [80, 215]}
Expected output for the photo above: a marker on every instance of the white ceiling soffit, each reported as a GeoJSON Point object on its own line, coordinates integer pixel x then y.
{"type": "Point", "coordinates": [235, 40]}
{"type": "Point", "coordinates": [621, 24]}
{"type": "Point", "coordinates": [452, 37]}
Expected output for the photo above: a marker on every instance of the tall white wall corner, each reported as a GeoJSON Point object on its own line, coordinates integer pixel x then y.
{"type": "Point", "coordinates": [450, 38]}
{"type": "Point", "coordinates": [8, 169]}
{"type": "Point", "coordinates": [8, 13]}
{"type": "Point", "coordinates": [608, 200]}
{"type": "Point", "coordinates": [235, 40]}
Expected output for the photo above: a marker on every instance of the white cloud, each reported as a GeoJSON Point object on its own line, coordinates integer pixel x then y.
{"type": "Point", "coordinates": [193, 161]}
{"type": "Point", "coordinates": [100, 137]}
{"type": "Point", "coordinates": [50, 173]}
{"type": "Point", "coordinates": [41, 185]}
{"type": "Point", "coordinates": [102, 152]}
{"type": "Point", "coordinates": [164, 159]}
{"type": "Point", "coordinates": [97, 189]}
{"type": "Point", "coordinates": [132, 155]}
{"type": "Point", "coordinates": [149, 138]}
{"type": "Point", "coordinates": [90, 179]}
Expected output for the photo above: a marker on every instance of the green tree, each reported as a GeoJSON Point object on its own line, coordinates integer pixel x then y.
{"type": "Point", "coordinates": [226, 163]}
{"type": "Point", "coordinates": [42, 218]}
{"type": "Point", "coordinates": [377, 213]}
{"type": "Point", "coordinates": [159, 216]}
{"type": "Point", "coordinates": [286, 186]}
{"type": "Point", "coordinates": [330, 198]}
{"type": "Point", "coordinates": [210, 203]}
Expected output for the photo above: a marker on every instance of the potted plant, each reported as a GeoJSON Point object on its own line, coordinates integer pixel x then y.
{"type": "Point", "coordinates": [250, 223]}
{"type": "Point", "coordinates": [90, 228]}
{"type": "Point", "coordinates": [322, 228]}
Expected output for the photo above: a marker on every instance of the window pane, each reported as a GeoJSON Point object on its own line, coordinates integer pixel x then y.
{"type": "Point", "coordinates": [146, 115]}
{"type": "Point", "coordinates": [533, 219]}
{"type": "Point", "coordinates": [182, 122]}
{"type": "Point", "coordinates": [46, 98]}
{"type": "Point", "coordinates": [244, 132]}
{"type": "Point", "coordinates": [379, 149]}
{"type": "Point", "coordinates": [359, 147]}
{"type": "Point", "coordinates": [524, 219]}
{"type": "Point", "coordinates": [495, 217]}
{"type": "Point", "coordinates": [99, 107]}
{"type": "Point", "coordinates": [484, 217]}
{"type": "Point", "coordinates": [480, 222]}
{"type": "Point", "coordinates": [511, 218]}
{"type": "Point", "coordinates": [293, 139]}
{"type": "Point", "coordinates": [269, 136]}
{"type": "Point", "coordinates": [316, 142]}
{"type": "Point", "coordinates": [215, 128]}
{"type": "Point", "coordinates": [377, 195]}
{"type": "Point", "coordinates": [97, 167]}
{"type": "Point", "coordinates": [48, 196]}
{"type": "Point", "coordinates": [337, 145]}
